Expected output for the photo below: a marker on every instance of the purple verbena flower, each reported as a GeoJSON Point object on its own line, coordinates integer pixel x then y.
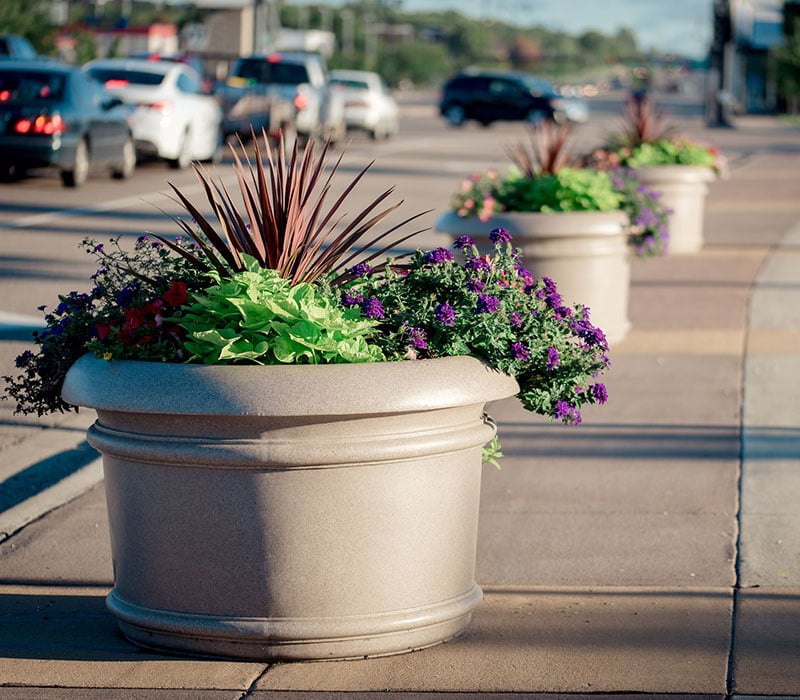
{"type": "Point", "coordinates": [520, 351]}
{"type": "Point", "coordinates": [599, 392]}
{"type": "Point", "coordinates": [463, 242]}
{"type": "Point", "coordinates": [361, 270]}
{"type": "Point", "coordinates": [372, 308]}
{"type": "Point", "coordinates": [499, 235]}
{"type": "Point", "coordinates": [566, 413]}
{"type": "Point", "coordinates": [417, 337]}
{"type": "Point", "coordinates": [477, 265]}
{"type": "Point", "coordinates": [352, 299]}
{"type": "Point", "coordinates": [487, 304]}
{"type": "Point", "coordinates": [475, 285]}
{"type": "Point", "coordinates": [437, 256]}
{"type": "Point", "coordinates": [445, 314]}
{"type": "Point", "coordinates": [553, 359]}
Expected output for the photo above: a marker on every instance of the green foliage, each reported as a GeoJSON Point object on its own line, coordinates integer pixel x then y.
{"type": "Point", "coordinates": [570, 189]}
{"type": "Point", "coordinates": [420, 62]}
{"type": "Point", "coordinates": [492, 453]}
{"type": "Point", "coordinates": [257, 317]}
{"type": "Point", "coordinates": [28, 18]}
{"type": "Point", "coordinates": [671, 152]}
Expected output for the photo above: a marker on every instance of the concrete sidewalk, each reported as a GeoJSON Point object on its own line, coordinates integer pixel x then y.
{"type": "Point", "coordinates": [655, 549]}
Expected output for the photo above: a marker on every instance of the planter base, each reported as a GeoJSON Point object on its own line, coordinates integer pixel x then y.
{"type": "Point", "coordinates": [293, 639]}
{"type": "Point", "coordinates": [291, 512]}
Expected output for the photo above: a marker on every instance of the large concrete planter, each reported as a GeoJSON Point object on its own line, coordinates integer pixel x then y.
{"type": "Point", "coordinates": [299, 512]}
{"type": "Point", "coordinates": [683, 190]}
{"type": "Point", "coordinates": [585, 253]}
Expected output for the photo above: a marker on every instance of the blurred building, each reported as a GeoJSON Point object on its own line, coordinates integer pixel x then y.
{"type": "Point", "coordinates": [756, 27]}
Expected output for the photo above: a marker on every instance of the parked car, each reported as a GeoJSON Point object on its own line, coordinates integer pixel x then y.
{"type": "Point", "coordinates": [368, 103]}
{"type": "Point", "coordinates": [172, 117]}
{"type": "Point", "coordinates": [488, 97]}
{"type": "Point", "coordinates": [55, 115]}
{"type": "Point", "coordinates": [15, 46]}
{"type": "Point", "coordinates": [294, 76]}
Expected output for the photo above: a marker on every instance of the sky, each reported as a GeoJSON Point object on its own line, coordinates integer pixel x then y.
{"type": "Point", "coordinates": [679, 26]}
{"type": "Point", "coordinates": [670, 26]}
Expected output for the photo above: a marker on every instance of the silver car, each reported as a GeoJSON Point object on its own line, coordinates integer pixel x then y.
{"type": "Point", "coordinates": [368, 103]}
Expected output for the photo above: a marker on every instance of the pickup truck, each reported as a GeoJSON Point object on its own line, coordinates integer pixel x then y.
{"type": "Point", "coordinates": [261, 86]}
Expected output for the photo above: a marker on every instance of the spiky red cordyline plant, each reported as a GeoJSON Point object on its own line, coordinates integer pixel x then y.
{"type": "Point", "coordinates": [283, 222]}
{"type": "Point", "coordinates": [642, 123]}
{"type": "Point", "coordinates": [546, 152]}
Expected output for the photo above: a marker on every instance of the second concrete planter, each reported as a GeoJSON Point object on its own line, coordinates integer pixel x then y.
{"type": "Point", "coordinates": [683, 190]}
{"type": "Point", "coordinates": [585, 253]}
{"type": "Point", "coordinates": [292, 512]}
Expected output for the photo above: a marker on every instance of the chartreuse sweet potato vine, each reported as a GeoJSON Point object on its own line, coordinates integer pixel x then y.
{"type": "Point", "coordinates": [257, 317]}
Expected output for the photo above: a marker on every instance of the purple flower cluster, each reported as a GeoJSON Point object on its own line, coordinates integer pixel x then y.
{"type": "Point", "coordinates": [445, 314]}
{"type": "Point", "coordinates": [553, 359]}
{"type": "Point", "coordinates": [438, 256]}
{"type": "Point", "coordinates": [520, 351]}
{"type": "Point", "coordinates": [487, 304]}
{"type": "Point", "coordinates": [373, 308]}
{"type": "Point", "coordinates": [361, 270]}
{"type": "Point", "coordinates": [499, 235]}
{"type": "Point", "coordinates": [463, 242]}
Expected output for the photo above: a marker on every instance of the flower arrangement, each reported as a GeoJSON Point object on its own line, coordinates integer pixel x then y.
{"type": "Point", "coordinates": [279, 279]}
{"type": "Point", "coordinates": [647, 138]}
{"type": "Point", "coordinates": [543, 177]}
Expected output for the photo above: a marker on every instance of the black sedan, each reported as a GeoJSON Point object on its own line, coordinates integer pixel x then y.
{"type": "Point", "coordinates": [55, 115]}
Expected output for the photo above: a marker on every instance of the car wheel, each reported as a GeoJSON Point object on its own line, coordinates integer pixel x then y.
{"type": "Point", "coordinates": [184, 159]}
{"type": "Point", "coordinates": [80, 167]}
{"type": "Point", "coordinates": [455, 115]}
{"type": "Point", "coordinates": [127, 163]}
{"type": "Point", "coordinates": [536, 116]}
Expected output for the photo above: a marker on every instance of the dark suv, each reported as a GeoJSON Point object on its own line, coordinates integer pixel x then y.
{"type": "Point", "coordinates": [491, 97]}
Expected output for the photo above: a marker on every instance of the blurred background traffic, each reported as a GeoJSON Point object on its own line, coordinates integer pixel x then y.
{"type": "Point", "coordinates": [90, 86]}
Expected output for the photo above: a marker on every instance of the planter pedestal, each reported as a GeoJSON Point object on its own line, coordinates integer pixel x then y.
{"type": "Point", "coordinates": [683, 190]}
{"type": "Point", "coordinates": [292, 512]}
{"type": "Point", "coordinates": [585, 253]}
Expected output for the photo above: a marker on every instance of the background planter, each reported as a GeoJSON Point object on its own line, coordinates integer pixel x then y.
{"type": "Point", "coordinates": [683, 190]}
{"type": "Point", "coordinates": [586, 253]}
{"type": "Point", "coordinates": [297, 512]}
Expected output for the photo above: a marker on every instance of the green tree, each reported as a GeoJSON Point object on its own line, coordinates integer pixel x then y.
{"type": "Point", "coordinates": [31, 19]}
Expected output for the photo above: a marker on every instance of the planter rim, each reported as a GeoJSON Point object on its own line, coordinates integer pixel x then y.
{"type": "Point", "coordinates": [683, 173]}
{"type": "Point", "coordinates": [262, 390]}
{"type": "Point", "coordinates": [575, 224]}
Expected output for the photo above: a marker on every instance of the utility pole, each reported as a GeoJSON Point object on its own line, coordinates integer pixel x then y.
{"type": "Point", "coordinates": [722, 57]}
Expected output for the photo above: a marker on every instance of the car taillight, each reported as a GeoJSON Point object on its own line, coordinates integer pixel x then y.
{"type": "Point", "coordinates": [301, 101]}
{"type": "Point", "coordinates": [163, 107]}
{"type": "Point", "coordinates": [47, 124]}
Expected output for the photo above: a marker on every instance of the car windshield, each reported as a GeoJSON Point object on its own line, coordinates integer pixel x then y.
{"type": "Point", "coordinates": [16, 86]}
{"type": "Point", "coordinates": [117, 78]}
{"type": "Point", "coordinates": [279, 72]}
